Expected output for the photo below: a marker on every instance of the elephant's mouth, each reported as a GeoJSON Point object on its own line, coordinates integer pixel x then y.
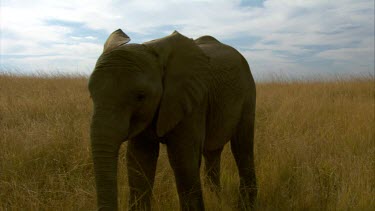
{"type": "Point", "coordinates": [133, 132]}
{"type": "Point", "coordinates": [137, 125]}
{"type": "Point", "coordinates": [125, 139]}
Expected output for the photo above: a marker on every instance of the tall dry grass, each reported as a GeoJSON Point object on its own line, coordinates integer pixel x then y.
{"type": "Point", "coordinates": [315, 148]}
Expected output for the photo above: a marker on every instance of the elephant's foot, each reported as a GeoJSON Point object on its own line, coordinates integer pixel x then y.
{"type": "Point", "coordinates": [247, 198]}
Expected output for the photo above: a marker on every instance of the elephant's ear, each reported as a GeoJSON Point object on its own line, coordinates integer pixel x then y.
{"type": "Point", "coordinates": [114, 40]}
{"type": "Point", "coordinates": [185, 70]}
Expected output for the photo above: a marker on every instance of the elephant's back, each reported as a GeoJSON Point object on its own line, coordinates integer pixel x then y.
{"type": "Point", "coordinates": [229, 68]}
{"type": "Point", "coordinates": [224, 59]}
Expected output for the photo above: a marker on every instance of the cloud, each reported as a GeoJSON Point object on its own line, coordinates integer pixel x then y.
{"type": "Point", "coordinates": [292, 36]}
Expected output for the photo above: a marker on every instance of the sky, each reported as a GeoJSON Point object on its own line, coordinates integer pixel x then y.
{"type": "Point", "coordinates": [292, 38]}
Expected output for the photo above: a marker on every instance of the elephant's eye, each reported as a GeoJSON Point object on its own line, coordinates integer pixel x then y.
{"type": "Point", "coordinates": [140, 97]}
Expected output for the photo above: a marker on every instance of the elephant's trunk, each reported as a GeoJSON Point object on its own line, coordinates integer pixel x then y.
{"type": "Point", "coordinates": [105, 158]}
{"type": "Point", "coordinates": [105, 149]}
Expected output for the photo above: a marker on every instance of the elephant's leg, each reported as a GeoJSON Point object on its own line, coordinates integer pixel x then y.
{"type": "Point", "coordinates": [242, 147]}
{"type": "Point", "coordinates": [212, 168]}
{"type": "Point", "coordinates": [186, 166]}
{"type": "Point", "coordinates": [142, 155]}
{"type": "Point", "coordinates": [184, 146]}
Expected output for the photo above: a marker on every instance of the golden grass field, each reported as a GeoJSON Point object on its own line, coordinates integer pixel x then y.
{"type": "Point", "coordinates": [314, 148]}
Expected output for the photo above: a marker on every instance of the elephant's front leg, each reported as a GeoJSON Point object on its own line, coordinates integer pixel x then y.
{"type": "Point", "coordinates": [184, 146]}
{"type": "Point", "coordinates": [142, 155]}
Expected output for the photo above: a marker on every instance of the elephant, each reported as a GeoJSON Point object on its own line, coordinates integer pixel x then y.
{"type": "Point", "coordinates": [194, 96]}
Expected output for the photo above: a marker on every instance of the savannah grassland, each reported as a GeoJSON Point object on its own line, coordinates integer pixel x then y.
{"type": "Point", "coordinates": [315, 148]}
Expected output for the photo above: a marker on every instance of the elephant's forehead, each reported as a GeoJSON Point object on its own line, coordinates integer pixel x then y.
{"type": "Point", "coordinates": [100, 79]}
{"type": "Point", "coordinates": [105, 83]}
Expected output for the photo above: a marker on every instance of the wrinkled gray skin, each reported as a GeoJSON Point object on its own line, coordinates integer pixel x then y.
{"type": "Point", "coordinates": [192, 95]}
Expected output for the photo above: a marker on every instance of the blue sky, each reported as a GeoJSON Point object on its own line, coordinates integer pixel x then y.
{"type": "Point", "coordinates": [295, 38]}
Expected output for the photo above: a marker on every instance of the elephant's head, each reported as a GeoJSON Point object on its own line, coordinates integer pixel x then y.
{"type": "Point", "coordinates": [132, 85]}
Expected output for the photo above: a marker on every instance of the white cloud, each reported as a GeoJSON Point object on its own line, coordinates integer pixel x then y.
{"type": "Point", "coordinates": [78, 38]}
{"type": "Point", "coordinates": [347, 54]}
{"type": "Point", "coordinates": [287, 31]}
